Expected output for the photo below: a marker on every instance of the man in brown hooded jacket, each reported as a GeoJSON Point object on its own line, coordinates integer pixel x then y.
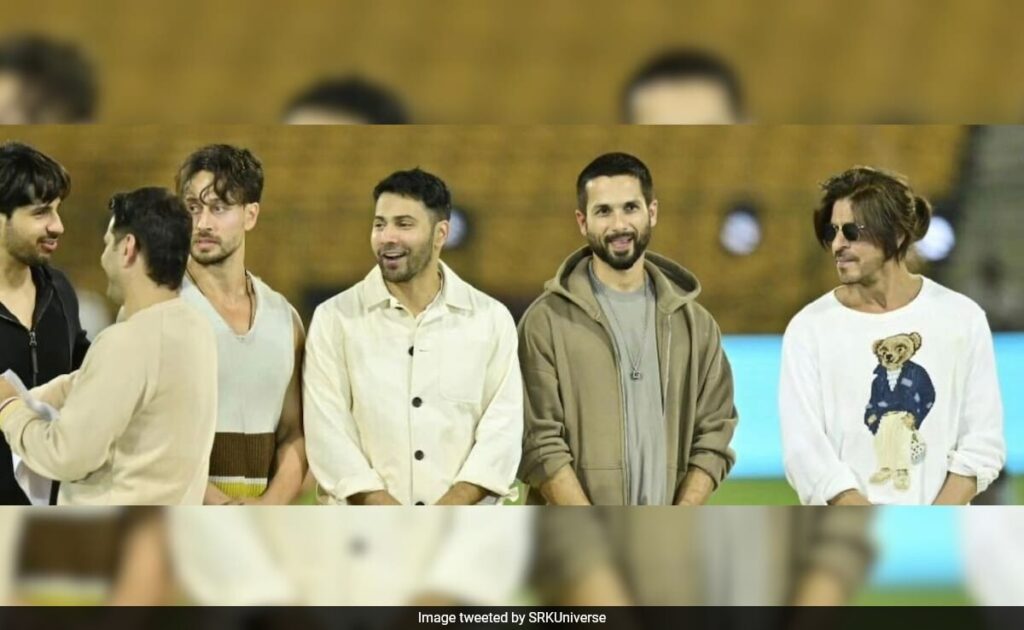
{"type": "Point", "coordinates": [629, 397]}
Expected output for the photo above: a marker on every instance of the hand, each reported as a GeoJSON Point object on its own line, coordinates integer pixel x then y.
{"type": "Point", "coordinates": [245, 501]}
{"type": "Point", "coordinates": [872, 419]}
{"type": "Point", "coordinates": [849, 497]}
{"type": "Point", "coordinates": [377, 497]}
{"type": "Point", "coordinates": [908, 420]}
{"type": "Point", "coordinates": [6, 390]}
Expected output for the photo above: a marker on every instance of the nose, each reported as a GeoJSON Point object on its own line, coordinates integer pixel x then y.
{"type": "Point", "coordinates": [55, 227]}
{"type": "Point", "coordinates": [201, 219]}
{"type": "Point", "coordinates": [388, 234]}
{"type": "Point", "coordinates": [619, 221]}
{"type": "Point", "coordinates": [839, 243]}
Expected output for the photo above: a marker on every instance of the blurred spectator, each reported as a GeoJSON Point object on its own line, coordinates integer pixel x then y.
{"type": "Point", "coordinates": [346, 101]}
{"type": "Point", "coordinates": [683, 87]}
{"type": "Point", "coordinates": [44, 81]}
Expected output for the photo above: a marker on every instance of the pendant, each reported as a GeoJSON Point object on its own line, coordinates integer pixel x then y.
{"type": "Point", "coordinates": [635, 374]}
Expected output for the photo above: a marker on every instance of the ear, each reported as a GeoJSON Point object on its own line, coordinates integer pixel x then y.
{"type": "Point", "coordinates": [652, 210]}
{"type": "Point", "coordinates": [129, 250]}
{"type": "Point", "coordinates": [875, 346]}
{"type": "Point", "coordinates": [251, 212]}
{"type": "Point", "coordinates": [916, 339]}
{"type": "Point", "coordinates": [441, 231]}
{"type": "Point", "coordinates": [581, 221]}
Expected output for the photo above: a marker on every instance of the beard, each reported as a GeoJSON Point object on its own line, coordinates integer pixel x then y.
{"type": "Point", "coordinates": [601, 246]}
{"type": "Point", "coordinates": [410, 266]}
{"type": "Point", "coordinates": [215, 256]}
{"type": "Point", "coordinates": [23, 250]}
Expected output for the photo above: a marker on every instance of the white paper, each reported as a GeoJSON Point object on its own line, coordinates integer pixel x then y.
{"type": "Point", "coordinates": [36, 487]}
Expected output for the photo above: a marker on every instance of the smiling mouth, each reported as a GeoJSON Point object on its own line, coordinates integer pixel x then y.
{"type": "Point", "coordinates": [620, 242]}
{"type": "Point", "coordinates": [392, 257]}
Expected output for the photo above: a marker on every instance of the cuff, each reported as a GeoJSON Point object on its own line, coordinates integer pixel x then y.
{"type": "Point", "coordinates": [834, 484]}
{"type": "Point", "coordinates": [545, 467]}
{"type": "Point", "coordinates": [6, 406]}
{"type": "Point", "coordinates": [714, 464]}
{"type": "Point", "coordinates": [960, 465]}
{"type": "Point", "coordinates": [368, 481]}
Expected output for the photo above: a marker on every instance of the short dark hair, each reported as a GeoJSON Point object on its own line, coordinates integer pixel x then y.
{"type": "Point", "coordinates": [162, 227]}
{"type": "Point", "coordinates": [28, 176]}
{"type": "Point", "coordinates": [419, 185]}
{"type": "Point", "coordinates": [682, 64]}
{"type": "Point", "coordinates": [59, 78]}
{"type": "Point", "coordinates": [883, 202]}
{"type": "Point", "coordinates": [237, 173]}
{"type": "Point", "coordinates": [355, 96]}
{"type": "Point", "coordinates": [609, 165]}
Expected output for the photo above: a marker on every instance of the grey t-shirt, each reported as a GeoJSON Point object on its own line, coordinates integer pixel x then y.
{"type": "Point", "coordinates": [646, 459]}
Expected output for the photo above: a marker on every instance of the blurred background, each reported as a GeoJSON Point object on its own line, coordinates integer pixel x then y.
{"type": "Point", "coordinates": [460, 61]}
{"type": "Point", "coordinates": [467, 556]}
{"type": "Point", "coordinates": [735, 209]}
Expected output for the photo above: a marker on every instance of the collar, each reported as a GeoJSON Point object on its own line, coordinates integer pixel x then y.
{"type": "Point", "coordinates": [454, 291]}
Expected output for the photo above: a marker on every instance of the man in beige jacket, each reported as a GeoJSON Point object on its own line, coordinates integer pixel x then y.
{"type": "Point", "coordinates": [629, 397]}
{"type": "Point", "coordinates": [137, 420]}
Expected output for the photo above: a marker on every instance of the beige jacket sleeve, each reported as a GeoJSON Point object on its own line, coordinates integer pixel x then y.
{"type": "Point", "coordinates": [716, 415]}
{"type": "Point", "coordinates": [545, 449]}
{"type": "Point", "coordinates": [95, 404]}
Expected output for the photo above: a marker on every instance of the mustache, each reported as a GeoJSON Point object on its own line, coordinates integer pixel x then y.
{"type": "Point", "coordinates": [612, 237]}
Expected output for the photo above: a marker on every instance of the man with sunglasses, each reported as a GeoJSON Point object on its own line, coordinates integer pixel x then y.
{"type": "Point", "coordinates": [889, 391]}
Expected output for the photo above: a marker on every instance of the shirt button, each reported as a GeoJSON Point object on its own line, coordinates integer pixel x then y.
{"type": "Point", "coordinates": [420, 503]}
{"type": "Point", "coordinates": [416, 402]}
{"type": "Point", "coordinates": [418, 454]}
{"type": "Point", "coordinates": [410, 351]}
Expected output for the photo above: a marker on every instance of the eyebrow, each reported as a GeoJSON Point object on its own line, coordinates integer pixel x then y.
{"type": "Point", "coordinates": [378, 217]}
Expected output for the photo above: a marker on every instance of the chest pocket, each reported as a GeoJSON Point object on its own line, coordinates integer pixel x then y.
{"type": "Point", "coordinates": [463, 367]}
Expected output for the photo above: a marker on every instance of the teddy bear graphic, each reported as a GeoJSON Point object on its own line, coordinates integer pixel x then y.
{"type": "Point", "coordinates": [902, 394]}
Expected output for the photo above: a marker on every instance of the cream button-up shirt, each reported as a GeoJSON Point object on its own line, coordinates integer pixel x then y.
{"type": "Point", "coordinates": [412, 405]}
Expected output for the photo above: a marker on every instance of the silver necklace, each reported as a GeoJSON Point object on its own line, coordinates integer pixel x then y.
{"type": "Point", "coordinates": [635, 373]}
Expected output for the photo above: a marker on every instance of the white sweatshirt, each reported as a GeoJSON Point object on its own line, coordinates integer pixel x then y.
{"type": "Point", "coordinates": [854, 383]}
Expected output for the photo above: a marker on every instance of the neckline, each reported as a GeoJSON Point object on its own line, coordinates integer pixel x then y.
{"type": "Point", "coordinates": [926, 284]}
{"type": "Point", "coordinates": [251, 280]}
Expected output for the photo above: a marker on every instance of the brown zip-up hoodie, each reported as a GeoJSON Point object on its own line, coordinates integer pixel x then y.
{"type": "Point", "coordinates": [573, 407]}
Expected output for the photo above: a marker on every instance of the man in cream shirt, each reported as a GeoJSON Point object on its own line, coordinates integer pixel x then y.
{"type": "Point", "coordinates": [137, 420]}
{"type": "Point", "coordinates": [412, 391]}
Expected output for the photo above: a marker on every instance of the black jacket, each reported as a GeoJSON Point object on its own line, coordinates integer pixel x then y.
{"type": "Point", "coordinates": [55, 345]}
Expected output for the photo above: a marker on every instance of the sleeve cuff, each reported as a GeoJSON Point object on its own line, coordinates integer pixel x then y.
{"type": "Point", "coordinates": [545, 467]}
{"type": "Point", "coordinates": [832, 486]}
{"type": "Point", "coordinates": [714, 464]}
{"type": "Point", "coordinates": [489, 482]}
{"type": "Point", "coordinates": [6, 407]}
{"type": "Point", "coordinates": [985, 475]}
{"type": "Point", "coordinates": [368, 481]}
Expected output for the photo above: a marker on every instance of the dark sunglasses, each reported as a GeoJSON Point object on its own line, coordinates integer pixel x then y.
{"type": "Point", "coordinates": [851, 232]}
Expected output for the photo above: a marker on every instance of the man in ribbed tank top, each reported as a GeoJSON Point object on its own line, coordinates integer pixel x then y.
{"type": "Point", "coordinates": [259, 453]}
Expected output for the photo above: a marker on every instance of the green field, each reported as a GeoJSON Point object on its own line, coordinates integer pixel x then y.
{"type": "Point", "coordinates": [777, 492]}
{"type": "Point", "coordinates": [741, 492]}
